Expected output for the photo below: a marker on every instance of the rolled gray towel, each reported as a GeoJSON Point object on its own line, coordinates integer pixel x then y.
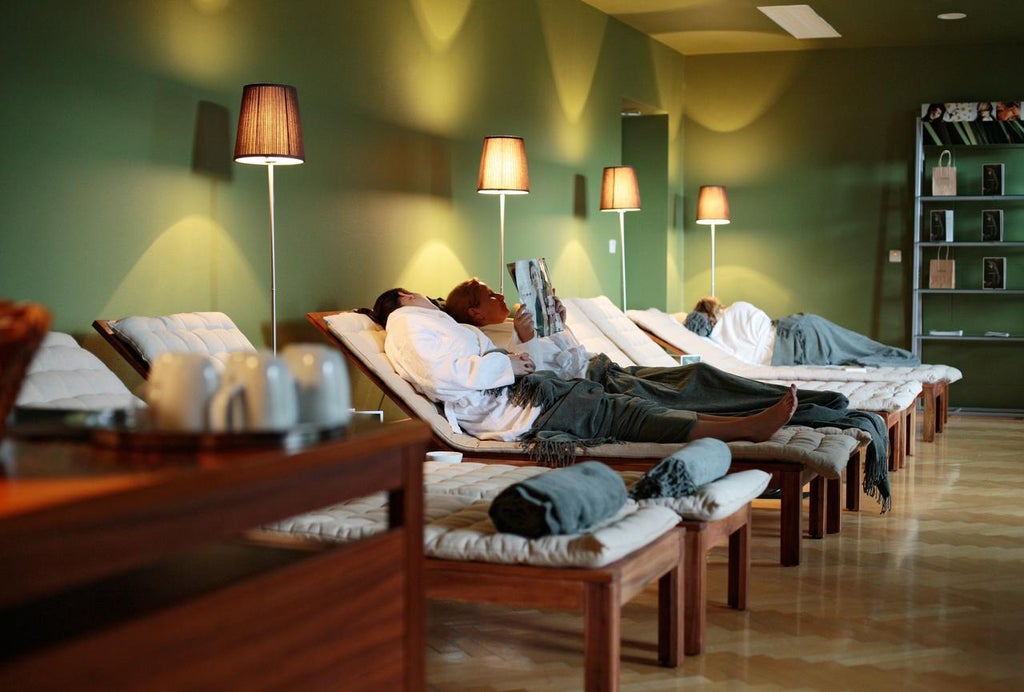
{"type": "Point", "coordinates": [681, 473]}
{"type": "Point", "coordinates": [563, 501]}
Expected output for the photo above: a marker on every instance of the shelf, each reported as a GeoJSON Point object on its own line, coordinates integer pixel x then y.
{"type": "Point", "coordinates": [971, 198]}
{"type": "Point", "coordinates": [959, 243]}
{"type": "Point", "coordinates": [983, 145]}
{"type": "Point", "coordinates": [968, 337]}
{"type": "Point", "coordinates": [969, 307]}
{"type": "Point", "coordinates": [986, 291]}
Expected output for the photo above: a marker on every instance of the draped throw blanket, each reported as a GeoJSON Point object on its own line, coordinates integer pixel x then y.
{"type": "Point", "coordinates": [684, 472]}
{"type": "Point", "coordinates": [564, 501]}
{"type": "Point", "coordinates": [576, 406]}
{"type": "Point", "coordinates": [804, 339]}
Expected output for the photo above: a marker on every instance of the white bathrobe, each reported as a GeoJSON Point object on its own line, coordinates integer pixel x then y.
{"type": "Point", "coordinates": [746, 332]}
{"type": "Point", "coordinates": [457, 365]}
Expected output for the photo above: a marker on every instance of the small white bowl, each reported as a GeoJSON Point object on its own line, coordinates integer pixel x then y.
{"type": "Point", "coordinates": [445, 457]}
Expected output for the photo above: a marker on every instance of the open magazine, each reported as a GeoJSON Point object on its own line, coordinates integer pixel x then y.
{"type": "Point", "coordinates": [530, 277]}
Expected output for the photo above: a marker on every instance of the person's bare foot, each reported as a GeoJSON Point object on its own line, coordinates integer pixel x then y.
{"type": "Point", "coordinates": [764, 424]}
{"type": "Point", "coordinates": [756, 428]}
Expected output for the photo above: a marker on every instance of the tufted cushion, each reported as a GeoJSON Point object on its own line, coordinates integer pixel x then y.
{"type": "Point", "coordinates": [866, 396]}
{"type": "Point", "coordinates": [824, 450]}
{"type": "Point", "coordinates": [356, 519]}
{"type": "Point", "coordinates": [621, 330]}
{"type": "Point", "coordinates": [66, 376]}
{"type": "Point", "coordinates": [590, 335]}
{"type": "Point", "coordinates": [457, 526]}
{"type": "Point", "coordinates": [212, 333]}
{"type": "Point", "coordinates": [469, 534]}
{"type": "Point", "coordinates": [476, 481]}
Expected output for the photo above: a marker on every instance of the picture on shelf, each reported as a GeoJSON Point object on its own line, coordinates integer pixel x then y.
{"type": "Point", "coordinates": [992, 179]}
{"type": "Point", "coordinates": [993, 273]}
{"type": "Point", "coordinates": [940, 228]}
{"type": "Point", "coordinates": [991, 225]}
{"type": "Point", "coordinates": [972, 123]}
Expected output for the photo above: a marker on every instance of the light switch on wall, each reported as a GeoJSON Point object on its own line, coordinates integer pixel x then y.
{"type": "Point", "coordinates": [895, 256]}
{"type": "Point", "coordinates": [611, 246]}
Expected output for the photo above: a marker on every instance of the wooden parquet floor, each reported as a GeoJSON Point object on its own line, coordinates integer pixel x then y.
{"type": "Point", "coordinates": [927, 597]}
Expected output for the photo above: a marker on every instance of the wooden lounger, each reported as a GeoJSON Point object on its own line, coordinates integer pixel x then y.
{"type": "Point", "coordinates": [790, 473]}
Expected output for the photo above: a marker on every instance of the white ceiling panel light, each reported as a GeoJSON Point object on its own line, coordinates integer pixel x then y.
{"type": "Point", "coordinates": [801, 21]}
{"type": "Point", "coordinates": [952, 16]}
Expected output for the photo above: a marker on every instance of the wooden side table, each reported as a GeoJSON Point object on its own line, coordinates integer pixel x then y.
{"type": "Point", "coordinates": [131, 571]}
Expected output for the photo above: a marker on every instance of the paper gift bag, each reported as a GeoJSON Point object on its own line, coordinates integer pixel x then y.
{"type": "Point", "coordinates": [942, 272]}
{"type": "Point", "coordinates": [944, 176]}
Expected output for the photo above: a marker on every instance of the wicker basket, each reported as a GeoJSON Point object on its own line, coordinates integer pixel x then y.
{"type": "Point", "coordinates": [22, 328]}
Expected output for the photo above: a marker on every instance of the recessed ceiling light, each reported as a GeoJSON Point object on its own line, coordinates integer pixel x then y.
{"type": "Point", "coordinates": [952, 15]}
{"type": "Point", "coordinates": [801, 21]}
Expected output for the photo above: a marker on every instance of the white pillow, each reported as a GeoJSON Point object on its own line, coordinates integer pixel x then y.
{"type": "Point", "coordinates": [212, 333]}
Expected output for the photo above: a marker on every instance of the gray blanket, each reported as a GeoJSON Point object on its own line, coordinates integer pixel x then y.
{"type": "Point", "coordinates": [563, 501]}
{"type": "Point", "coordinates": [578, 411]}
{"type": "Point", "coordinates": [804, 339]}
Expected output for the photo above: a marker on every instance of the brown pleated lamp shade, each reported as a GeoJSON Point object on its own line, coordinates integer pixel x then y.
{"type": "Point", "coordinates": [269, 129]}
{"type": "Point", "coordinates": [712, 205]}
{"type": "Point", "coordinates": [503, 168]}
{"type": "Point", "coordinates": [619, 189]}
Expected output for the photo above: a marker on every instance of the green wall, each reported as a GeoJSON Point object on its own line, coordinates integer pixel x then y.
{"type": "Point", "coordinates": [817, 150]}
{"type": "Point", "coordinates": [105, 216]}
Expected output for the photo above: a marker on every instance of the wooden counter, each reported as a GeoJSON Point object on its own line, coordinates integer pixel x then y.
{"type": "Point", "coordinates": [130, 570]}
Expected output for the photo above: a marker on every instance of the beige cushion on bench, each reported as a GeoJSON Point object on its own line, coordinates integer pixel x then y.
{"type": "Point", "coordinates": [484, 481]}
{"type": "Point", "coordinates": [458, 528]}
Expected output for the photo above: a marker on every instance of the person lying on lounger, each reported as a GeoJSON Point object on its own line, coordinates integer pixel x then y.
{"type": "Point", "coordinates": [748, 333]}
{"type": "Point", "coordinates": [494, 394]}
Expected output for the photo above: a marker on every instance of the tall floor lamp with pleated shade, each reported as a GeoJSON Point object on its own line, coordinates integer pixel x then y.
{"type": "Point", "coordinates": [503, 171]}
{"type": "Point", "coordinates": [620, 192]}
{"type": "Point", "coordinates": [712, 210]}
{"type": "Point", "coordinates": [270, 134]}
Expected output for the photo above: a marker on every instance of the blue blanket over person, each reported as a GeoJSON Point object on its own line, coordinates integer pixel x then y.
{"type": "Point", "coordinates": [805, 339]}
{"type": "Point", "coordinates": [697, 387]}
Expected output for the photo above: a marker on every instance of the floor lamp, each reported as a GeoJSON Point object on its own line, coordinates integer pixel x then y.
{"type": "Point", "coordinates": [712, 209]}
{"type": "Point", "coordinates": [503, 172]}
{"type": "Point", "coordinates": [620, 192]}
{"type": "Point", "coordinates": [270, 134]}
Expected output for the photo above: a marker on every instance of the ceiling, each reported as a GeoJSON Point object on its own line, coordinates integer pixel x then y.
{"type": "Point", "coordinates": [701, 27]}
